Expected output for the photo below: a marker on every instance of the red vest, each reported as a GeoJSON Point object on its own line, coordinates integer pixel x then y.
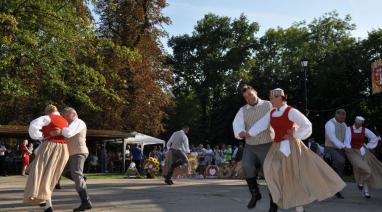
{"type": "Point", "coordinates": [56, 121]}
{"type": "Point", "coordinates": [281, 124]}
{"type": "Point", "coordinates": [357, 139]}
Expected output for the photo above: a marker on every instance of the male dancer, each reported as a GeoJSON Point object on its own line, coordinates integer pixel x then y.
{"type": "Point", "coordinates": [257, 147]}
{"type": "Point", "coordinates": [76, 139]}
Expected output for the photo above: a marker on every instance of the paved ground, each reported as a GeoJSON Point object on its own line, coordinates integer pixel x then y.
{"type": "Point", "coordinates": [146, 195]}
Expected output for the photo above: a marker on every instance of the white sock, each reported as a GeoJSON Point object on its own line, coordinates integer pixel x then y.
{"type": "Point", "coordinates": [300, 209]}
{"type": "Point", "coordinates": [48, 203]}
{"type": "Point", "coordinates": [366, 189]}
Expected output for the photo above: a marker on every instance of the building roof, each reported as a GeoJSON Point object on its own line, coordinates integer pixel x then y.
{"type": "Point", "coordinates": [18, 131]}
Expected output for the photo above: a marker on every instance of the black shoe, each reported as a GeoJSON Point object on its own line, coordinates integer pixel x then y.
{"type": "Point", "coordinates": [84, 206]}
{"type": "Point", "coordinates": [50, 209]}
{"type": "Point", "coordinates": [339, 195]}
{"type": "Point", "coordinates": [43, 204]}
{"type": "Point", "coordinates": [255, 197]}
{"type": "Point", "coordinates": [273, 207]}
{"type": "Point", "coordinates": [360, 187]}
{"type": "Point", "coordinates": [169, 182]}
{"type": "Point", "coordinates": [58, 186]}
{"type": "Point", "coordinates": [367, 195]}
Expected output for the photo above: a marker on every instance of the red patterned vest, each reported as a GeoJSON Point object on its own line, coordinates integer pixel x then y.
{"type": "Point", "coordinates": [357, 139]}
{"type": "Point", "coordinates": [281, 124]}
{"type": "Point", "coordinates": [56, 121]}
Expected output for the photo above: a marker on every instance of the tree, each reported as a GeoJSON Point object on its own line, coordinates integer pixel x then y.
{"type": "Point", "coordinates": [208, 67]}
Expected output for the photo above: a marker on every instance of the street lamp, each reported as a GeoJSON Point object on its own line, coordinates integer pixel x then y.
{"type": "Point", "coordinates": [304, 65]}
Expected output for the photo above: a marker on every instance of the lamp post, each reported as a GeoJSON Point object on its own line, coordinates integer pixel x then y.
{"type": "Point", "coordinates": [304, 65]}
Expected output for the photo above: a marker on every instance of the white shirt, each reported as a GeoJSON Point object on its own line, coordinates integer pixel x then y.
{"type": "Point", "coordinates": [2, 150]}
{"type": "Point", "coordinates": [330, 131]}
{"type": "Point", "coordinates": [37, 124]}
{"type": "Point", "coordinates": [238, 123]}
{"type": "Point", "coordinates": [302, 124]}
{"type": "Point", "coordinates": [373, 139]}
{"type": "Point", "coordinates": [75, 127]}
{"type": "Point", "coordinates": [179, 141]}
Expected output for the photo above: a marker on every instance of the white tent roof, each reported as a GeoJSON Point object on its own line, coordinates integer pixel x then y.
{"type": "Point", "coordinates": [143, 139]}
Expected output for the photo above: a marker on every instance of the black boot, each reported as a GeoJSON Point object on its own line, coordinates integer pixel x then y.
{"type": "Point", "coordinates": [170, 172]}
{"type": "Point", "coordinates": [254, 190]}
{"type": "Point", "coordinates": [272, 206]}
{"type": "Point", "coordinates": [339, 195]}
{"type": "Point", "coordinates": [50, 209]}
{"type": "Point", "coordinates": [85, 201]}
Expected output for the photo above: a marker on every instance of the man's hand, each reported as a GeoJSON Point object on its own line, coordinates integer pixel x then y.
{"type": "Point", "coordinates": [55, 132]}
{"type": "Point", "coordinates": [243, 134]}
{"type": "Point", "coordinates": [347, 149]}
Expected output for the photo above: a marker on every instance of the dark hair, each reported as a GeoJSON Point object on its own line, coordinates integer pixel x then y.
{"type": "Point", "coordinates": [185, 127]}
{"type": "Point", "coordinates": [247, 87]}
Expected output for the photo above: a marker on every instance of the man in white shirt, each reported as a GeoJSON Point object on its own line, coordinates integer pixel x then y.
{"type": "Point", "coordinates": [335, 130]}
{"type": "Point", "coordinates": [178, 147]}
{"type": "Point", "coordinates": [75, 134]}
{"type": "Point", "coordinates": [256, 147]}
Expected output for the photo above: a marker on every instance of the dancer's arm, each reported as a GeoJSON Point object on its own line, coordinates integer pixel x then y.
{"type": "Point", "coordinates": [260, 125]}
{"type": "Point", "coordinates": [373, 139]}
{"type": "Point", "coordinates": [348, 138]}
{"type": "Point", "coordinates": [330, 131]}
{"type": "Point", "coordinates": [238, 124]}
{"type": "Point", "coordinates": [74, 128]}
{"type": "Point", "coordinates": [303, 125]}
{"type": "Point", "coordinates": [36, 126]}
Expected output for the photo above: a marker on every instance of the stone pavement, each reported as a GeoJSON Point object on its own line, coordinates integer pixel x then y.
{"type": "Point", "coordinates": [151, 195]}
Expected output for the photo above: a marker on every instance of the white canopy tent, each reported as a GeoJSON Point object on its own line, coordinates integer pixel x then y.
{"type": "Point", "coordinates": [141, 139]}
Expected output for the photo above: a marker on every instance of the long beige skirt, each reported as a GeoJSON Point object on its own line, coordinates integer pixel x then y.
{"type": "Point", "coordinates": [300, 178]}
{"type": "Point", "coordinates": [366, 169]}
{"type": "Point", "coordinates": [45, 170]}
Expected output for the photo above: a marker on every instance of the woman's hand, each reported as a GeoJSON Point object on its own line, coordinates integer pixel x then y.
{"type": "Point", "coordinates": [289, 134]}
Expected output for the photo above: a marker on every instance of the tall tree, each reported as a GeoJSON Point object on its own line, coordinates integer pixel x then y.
{"type": "Point", "coordinates": [143, 83]}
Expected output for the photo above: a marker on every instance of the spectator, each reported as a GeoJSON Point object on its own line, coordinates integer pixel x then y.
{"type": "Point", "coordinates": [2, 160]}
{"type": "Point", "coordinates": [25, 152]}
{"type": "Point", "coordinates": [137, 157]}
{"type": "Point", "coordinates": [227, 153]}
{"type": "Point", "coordinates": [218, 156]}
{"type": "Point", "coordinates": [209, 154]}
{"type": "Point", "coordinates": [103, 158]}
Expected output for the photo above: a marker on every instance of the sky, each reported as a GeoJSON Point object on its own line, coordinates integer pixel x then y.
{"type": "Point", "coordinates": [366, 14]}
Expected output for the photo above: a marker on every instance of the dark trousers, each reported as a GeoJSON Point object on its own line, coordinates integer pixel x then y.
{"type": "Point", "coordinates": [3, 170]}
{"type": "Point", "coordinates": [177, 158]}
{"type": "Point", "coordinates": [253, 159]}
{"type": "Point", "coordinates": [138, 165]}
{"type": "Point", "coordinates": [338, 159]}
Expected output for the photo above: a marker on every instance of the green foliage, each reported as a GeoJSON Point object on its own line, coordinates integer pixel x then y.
{"type": "Point", "coordinates": [221, 54]}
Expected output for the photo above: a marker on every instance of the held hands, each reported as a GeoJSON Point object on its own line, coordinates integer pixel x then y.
{"type": "Point", "coordinates": [55, 132]}
{"type": "Point", "coordinates": [244, 135]}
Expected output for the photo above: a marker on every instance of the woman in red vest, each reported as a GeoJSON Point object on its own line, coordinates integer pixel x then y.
{"type": "Point", "coordinates": [50, 160]}
{"type": "Point", "coordinates": [367, 168]}
{"type": "Point", "coordinates": [295, 175]}
{"type": "Point", "coordinates": [25, 152]}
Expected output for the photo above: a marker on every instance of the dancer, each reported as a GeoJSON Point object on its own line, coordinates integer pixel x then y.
{"type": "Point", "coordinates": [366, 167]}
{"type": "Point", "coordinates": [256, 147]}
{"type": "Point", "coordinates": [177, 147]}
{"type": "Point", "coordinates": [335, 130]}
{"type": "Point", "coordinates": [50, 160]}
{"type": "Point", "coordinates": [295, 175]}
{"type": "Point", "coordinates": [78, 151]}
